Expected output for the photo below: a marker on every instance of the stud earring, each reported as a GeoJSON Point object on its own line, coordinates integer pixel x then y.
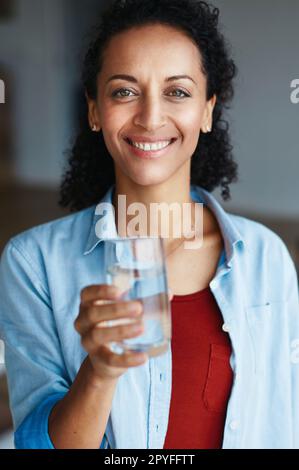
{"type": "Point", "coordinates": [206, 129]}
{"type": "Point", "coordinates": [94, 128]}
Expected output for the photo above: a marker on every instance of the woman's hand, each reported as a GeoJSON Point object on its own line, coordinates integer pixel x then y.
{"type": "Point", "coordinates": [99, 305]}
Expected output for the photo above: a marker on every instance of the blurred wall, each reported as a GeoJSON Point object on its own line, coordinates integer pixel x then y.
{"type": "Point", "coordinates": [41, 50]}
{"type": "Point", "coordinates": [265, 37]}
{"type": "Point", "coordinates": [42, 47]}
{"type": "Point", "coordinates": [34, 52]}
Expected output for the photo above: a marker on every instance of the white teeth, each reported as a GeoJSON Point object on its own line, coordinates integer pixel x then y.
{"type": "Point", "coordinates": [151, 147]}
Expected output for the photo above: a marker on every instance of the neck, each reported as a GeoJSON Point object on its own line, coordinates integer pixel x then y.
{"type": "Point", "coordinates": [147, 195]}
{"type": "Point", "coordinates": [167, 193]}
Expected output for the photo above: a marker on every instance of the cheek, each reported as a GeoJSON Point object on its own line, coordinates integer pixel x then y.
{"type": "Point", "coordinates": [112, 124]}
{"type": "Point", "coordinates": [193, 119]}
{"type": "Point", "coordinates": [190, 122]}
{"type": "Point", "coordinates": [112, 121]}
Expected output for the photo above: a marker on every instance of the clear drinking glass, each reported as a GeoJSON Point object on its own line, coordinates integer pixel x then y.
{"type": "Point", "coordinates": [137, 267]}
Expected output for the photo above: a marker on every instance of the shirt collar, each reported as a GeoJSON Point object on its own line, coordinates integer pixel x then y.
{"type": "Point", "coordinates": [231, 235]}
{"type": "Point", "coordinates": [99, 231]}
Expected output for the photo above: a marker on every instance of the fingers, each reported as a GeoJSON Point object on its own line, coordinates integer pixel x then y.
{"type": "Point", "coordinates": [96, 337]}
{"type": "Point", "coordinates": [126, 360]}
{"type": "Point", "coordinates": [105, 318]}
{"type": "Point", "coordinates": [91, 313]}
{"type": "Point", "coordinates": [101, 291]}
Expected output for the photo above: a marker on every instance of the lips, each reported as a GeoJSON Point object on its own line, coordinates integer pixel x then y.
{"type": "Point", "coordinates": [130, 142]}
{"type": "Point", "coordinates": [144, 140]}
{"type": "Point", "coordinates": [149, 154]}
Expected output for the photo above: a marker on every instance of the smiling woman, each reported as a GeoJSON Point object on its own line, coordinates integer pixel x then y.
{"type": "Point", "coordinates": [157, 78]}
{"type": "Point", "coordinates": [157, 107]}
{"type": "Point", "coordinates": [139, 90]}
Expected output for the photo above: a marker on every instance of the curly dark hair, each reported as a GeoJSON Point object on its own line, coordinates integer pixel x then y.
{"type": "Point", "coordinates": [90, 168]}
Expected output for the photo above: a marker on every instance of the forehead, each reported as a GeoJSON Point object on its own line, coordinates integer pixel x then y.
{"type": "Point", "coordinates": [156, 46]}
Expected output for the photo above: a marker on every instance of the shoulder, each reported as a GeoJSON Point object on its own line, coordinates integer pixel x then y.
{"type": "Point", "coordinates": [262, 243]}
{"type": "Point", "coordinates": [57, 237]}
{"type": "Point", "coordinates": [256, 236]}
{"type": "Point", "coordinates": [251, 229]}
{"type": "Point", "coordinates": [266, 262]}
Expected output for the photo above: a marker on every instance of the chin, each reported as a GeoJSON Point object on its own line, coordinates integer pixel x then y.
{"type": "Point", "coordinates": [145, 175]}
{"type": "Point", "coordinates": [147, 180]}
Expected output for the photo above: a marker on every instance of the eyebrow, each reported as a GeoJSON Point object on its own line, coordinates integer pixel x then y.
{"type": "Point", "coordinates": [129, 78]}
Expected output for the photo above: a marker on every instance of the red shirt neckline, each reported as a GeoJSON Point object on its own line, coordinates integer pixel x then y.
{"type": "Point", "coordinates": [191, 297]}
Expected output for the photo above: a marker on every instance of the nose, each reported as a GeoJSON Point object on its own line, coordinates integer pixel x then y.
{"type": "Point", "coordinates": [150, 114]}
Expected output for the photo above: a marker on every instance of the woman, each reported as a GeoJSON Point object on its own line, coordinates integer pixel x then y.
{"type": "Point", "coordinates": [157, 71]}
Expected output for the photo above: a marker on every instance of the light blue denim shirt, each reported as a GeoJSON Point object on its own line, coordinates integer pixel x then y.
{"type": "Point", "coordinates": [42, 272]}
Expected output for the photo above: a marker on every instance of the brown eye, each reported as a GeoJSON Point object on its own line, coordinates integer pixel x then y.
{"type": "Point", "coordinates": [119, 93]}
{"type": "Point", "coordinates": [178, 90]}
{"type": "Point", "coordinates": [124, 93]}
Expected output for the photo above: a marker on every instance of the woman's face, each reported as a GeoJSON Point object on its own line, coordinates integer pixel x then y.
{"type": "Point", "coordinates": [150, 106]}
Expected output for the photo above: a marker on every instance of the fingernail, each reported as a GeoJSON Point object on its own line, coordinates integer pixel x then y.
{"type": "Point", "coordinates": [114, 291]}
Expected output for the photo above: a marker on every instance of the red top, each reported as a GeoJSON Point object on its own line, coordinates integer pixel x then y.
{"type": "Point", "coordinates": [201, 373]}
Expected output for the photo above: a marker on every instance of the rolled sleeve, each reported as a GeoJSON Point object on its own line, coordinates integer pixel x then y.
{"type": "Point", "coordinates": [33, 432]}
{"type": "Point", "coordinates": [36, 372]}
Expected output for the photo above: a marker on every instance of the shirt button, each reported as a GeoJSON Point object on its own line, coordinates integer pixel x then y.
{"type": "Point", "coordinates": [226, 327]}
{"type": "Point", "coordinates": [234, 425]}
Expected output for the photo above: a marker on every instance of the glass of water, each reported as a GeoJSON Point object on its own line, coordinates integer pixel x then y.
{"type": "Point", "coordinates": [137, 267]}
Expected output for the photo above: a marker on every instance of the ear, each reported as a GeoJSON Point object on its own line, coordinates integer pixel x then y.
{"type": "Point", "coordinates": [93, 114]}
{"type": "Point", "coordinates": [208, 115]}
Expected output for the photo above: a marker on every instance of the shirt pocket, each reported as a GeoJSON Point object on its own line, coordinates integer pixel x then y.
{"type": "Point", "coordinates": [259, 319]}
{"type": "Point", "coordinates": [219, 379]}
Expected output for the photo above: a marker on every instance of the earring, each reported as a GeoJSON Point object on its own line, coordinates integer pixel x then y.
{"type": "Point", "coordinates": [94, 128]}
{"type": "Point", "coordinates": [209, 129]}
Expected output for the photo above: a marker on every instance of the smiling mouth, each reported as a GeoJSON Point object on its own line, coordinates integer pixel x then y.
{"type": "Point", "coordinates": [130, 142]}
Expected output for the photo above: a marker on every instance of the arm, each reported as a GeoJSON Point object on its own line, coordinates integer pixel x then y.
{"type": "Point", "coordinates": [48, 409]}
{"type": "Point", "coordinates": [36, 372]}
{"type": "Point", "coordinates": [77, 421]}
